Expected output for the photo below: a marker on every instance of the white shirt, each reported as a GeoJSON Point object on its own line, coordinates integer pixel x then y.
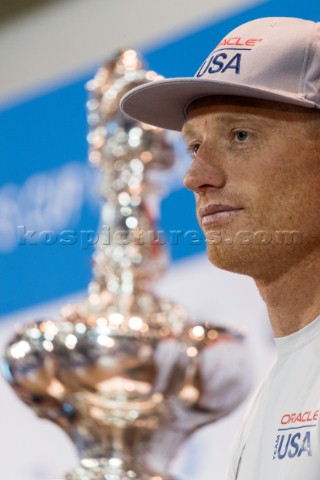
{"type": "Point", "coordinates": [280, 436]}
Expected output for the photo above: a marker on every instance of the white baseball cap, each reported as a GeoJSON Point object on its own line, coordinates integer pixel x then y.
{"type": "Point", "coordinates": [268, 58]}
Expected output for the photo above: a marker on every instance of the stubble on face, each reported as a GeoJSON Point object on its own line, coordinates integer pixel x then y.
{"type": "Point", "coordinates": [275, 177]}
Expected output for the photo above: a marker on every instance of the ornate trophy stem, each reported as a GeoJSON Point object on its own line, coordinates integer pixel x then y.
{"type": "Point", "coordinates": [123, 373]}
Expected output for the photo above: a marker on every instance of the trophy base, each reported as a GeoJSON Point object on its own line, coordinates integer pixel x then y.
{"type": "Point", "coordinates": [112, 469]}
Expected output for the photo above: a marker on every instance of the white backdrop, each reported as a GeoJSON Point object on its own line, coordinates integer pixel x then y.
{"type": "Point", "coordinates": [61, 39]}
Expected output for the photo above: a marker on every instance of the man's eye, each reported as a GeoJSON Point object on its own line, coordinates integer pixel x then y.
{"type": "Point", "coordinates": [241, 136]}
{"type": "Point", "coordinates": [193, 149]}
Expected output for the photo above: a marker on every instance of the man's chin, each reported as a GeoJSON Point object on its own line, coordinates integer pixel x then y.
{"type": "Point", "coordinates": [264, 262]}
{"type": "Point", "coordinates": [256, 261]}
{"type": "Point", "coordinates": [229, 258]}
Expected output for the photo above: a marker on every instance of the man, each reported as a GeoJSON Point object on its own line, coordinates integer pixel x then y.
{"type": "Point", "coordinates": [251, 120]}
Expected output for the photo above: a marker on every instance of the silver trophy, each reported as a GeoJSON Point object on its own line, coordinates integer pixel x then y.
{"type": "Point", "coordinates": [125, 373]}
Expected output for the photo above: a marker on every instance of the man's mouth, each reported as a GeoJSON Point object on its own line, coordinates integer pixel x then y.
{"type": "Point", "coordinates": [213, 213]}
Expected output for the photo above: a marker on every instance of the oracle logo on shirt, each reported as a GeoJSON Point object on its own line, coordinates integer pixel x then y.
{"type": "Point", "coordinates": [292, 445]}
{"type": "Point", "coordinates": [302, 417]}
{"type": "Point", "coordinates": [294, 437]}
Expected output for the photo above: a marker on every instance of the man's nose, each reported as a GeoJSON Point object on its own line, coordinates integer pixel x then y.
{"type": "Point", "coordinates": [204, 173]}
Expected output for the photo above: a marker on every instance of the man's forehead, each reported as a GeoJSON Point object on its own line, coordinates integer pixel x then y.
{"type": "Point", "coordinates": [216, 100]}
{"type": "Point", "coordinates": [243, 107]}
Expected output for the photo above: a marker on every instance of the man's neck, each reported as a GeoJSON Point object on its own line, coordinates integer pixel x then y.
{"type": "Point", "coordinates": [293, 299]}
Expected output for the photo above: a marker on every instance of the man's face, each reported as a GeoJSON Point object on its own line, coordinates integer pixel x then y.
{"type": "Point", "coordinates": [256, 176]}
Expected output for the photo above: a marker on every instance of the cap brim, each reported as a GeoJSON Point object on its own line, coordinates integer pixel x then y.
{"type": "Point", "coordinates": [164, 103]}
